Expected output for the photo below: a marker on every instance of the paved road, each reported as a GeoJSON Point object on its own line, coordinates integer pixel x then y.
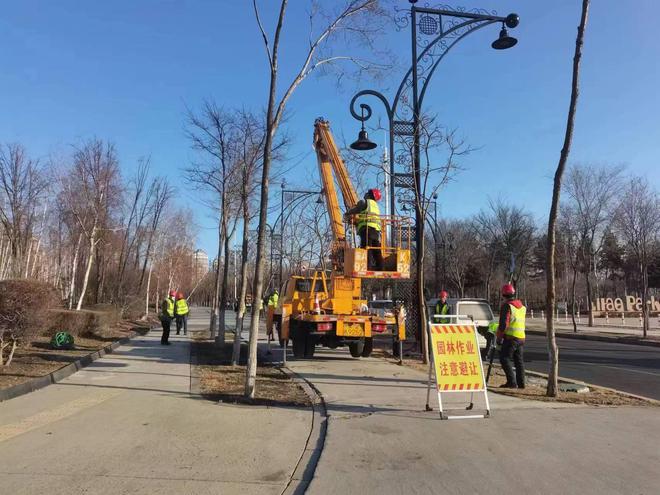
{"type": "Point", "coordinates": [129, 424]}
{"type": "Point", "coordinates": [631, 368]}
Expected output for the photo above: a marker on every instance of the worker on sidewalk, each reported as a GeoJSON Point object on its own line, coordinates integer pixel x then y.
{"type": "Point", "coordinates": [511, 335]}
{"type": "Point", "coordinates": [181, 312]}
{"type": "Point", "coordinates": [368, 226]}
{"type": "Point", "coordinates": [441, 308]}
{"type": "Point", "coordinates": [272, 304]}
{"type": "Point", "coordinates": [166, 315]}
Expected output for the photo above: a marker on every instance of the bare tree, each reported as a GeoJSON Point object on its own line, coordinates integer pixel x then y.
{"type": "Point", "coordinates": [591, 194]}
{"type": "Point", "coordinates": [212, 133]}
{"type": "Point", "coordinates": [22, 187]}
{"type": "Point", "coordinates": [638, 221]}
{"type": "Point", "coordinates": [553, 371]}
{"type": "Point", "coordinates": [463, 256]}
{"type": "Point", "coordinates": [508, 230]}
{"type": "Point", "coordinates": [572, 253]}
{"type": "Point", "coordinates": [351, 20]}
{"type": "Point", "coordinates": [160, 194]}
{"type": "Point", "coordinates": [91, 190]}
{"type": "Point", "coordinates": [251, 132]}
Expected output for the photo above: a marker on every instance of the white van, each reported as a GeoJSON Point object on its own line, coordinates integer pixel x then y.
{"type": "Point", "coordinates": [469, 310]}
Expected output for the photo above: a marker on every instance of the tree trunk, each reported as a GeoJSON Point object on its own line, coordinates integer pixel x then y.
{"type": "Point", "coordinates": [215, 313]}
{"type": "Point", "coordinates": [553, 351]}
{"type": "Point", "coordinates": [99, 279]}
{"type": "Point", "coordinates": [14, 345]}
{"type": "Point", "coordinates": [90, 261]}
{"type": "Point", "coordinates": [27, 261]}
{"type": "Point", "coordinates": [573, 299]}
{"type": "Point", "coordinates": [146, 304]}
{"type": "Point", "coordinates": [74, 271]}
{"type": "Point", "coordinates": [589, 297]}
{"type": "Point", "coordinates": [223, 293]}
{"type": "Point", "coordinates": [257, 287]}
{"type": "Point", "coordinates": [422, 320]}
{"type": "Point", "coordinates": [147, 254]}
{"type": "Point", "coordinates": [645, 295]}
{"type": "Point", "coordinates": [235, 356]}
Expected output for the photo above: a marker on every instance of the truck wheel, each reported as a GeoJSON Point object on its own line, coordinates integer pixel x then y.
{"type": "Point", "coordinates": [310, 346]}
{"type": "Point", "coordinates": [331, 341]}
{"type": "Point", "coordinates": [368, 347]}
{"type": "Point", "coordinates": [356, 348]}
{"type": "Point", "coordinates": [298, 346]}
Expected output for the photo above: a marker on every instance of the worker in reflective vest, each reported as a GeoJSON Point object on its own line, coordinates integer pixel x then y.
{"type": "Point", "coordinates": [368, 224]}
{"type": "Point", "coordinates": [441, 308]}
{"type": "Point", "coordinates": [272, 304]}
{"type": "Point", "coordinates": [511, 335]}
{"type": "Point", "coordinates": [166, 315]}
{"type": "Point", "coordinates": [181, 312]}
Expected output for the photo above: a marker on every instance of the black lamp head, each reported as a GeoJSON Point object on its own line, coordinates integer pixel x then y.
{"type": "Point", "coordinates": [512, 20]}
{"type": "Point", "coordinates": [363, 143]}
{"type": "Point", "coordinates": [504, 41]}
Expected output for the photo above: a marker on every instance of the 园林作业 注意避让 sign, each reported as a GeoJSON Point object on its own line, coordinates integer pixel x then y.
{"type": "Point", "coordinates": [456, 358]}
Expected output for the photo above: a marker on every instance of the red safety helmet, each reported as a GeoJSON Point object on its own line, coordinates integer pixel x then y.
{"type": "Point", "coordinates": [179, 295]}
{"type": "Point", "coordinates": [172, 293]}
{"type": "Point", "coordinates": [376, 194]}
{"type": "Point", "coordinates": [508, 290]}
{"type": "Point", "coordinates": [443, 293]}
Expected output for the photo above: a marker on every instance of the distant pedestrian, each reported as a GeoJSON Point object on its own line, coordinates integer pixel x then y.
{"type": "Point", "coordinates": [166, 316]}
{"type": "Point", "coordinates": [441, 308]}
{"type": "Point", "coordinates": [511, 336]}
{"type": "Point", "coordinates": [181, 312]}
{"type": "Point", "coordinates": [272, 304]}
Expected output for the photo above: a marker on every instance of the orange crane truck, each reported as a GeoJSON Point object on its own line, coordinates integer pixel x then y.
{"type": "Point", "coordinates": [328, 307]}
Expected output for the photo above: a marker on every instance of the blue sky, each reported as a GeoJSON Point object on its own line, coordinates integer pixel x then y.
{"type": "Point", "coordinates": [125, 71]}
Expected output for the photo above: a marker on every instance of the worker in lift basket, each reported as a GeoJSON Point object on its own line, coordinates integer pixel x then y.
{"type": "Point", "coordinates": [368, 225]}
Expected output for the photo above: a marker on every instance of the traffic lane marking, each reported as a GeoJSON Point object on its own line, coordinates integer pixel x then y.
{"type": "Point", "coordinates": [617, 368]}
{"type": "Point", "coordinates": [58, 413]}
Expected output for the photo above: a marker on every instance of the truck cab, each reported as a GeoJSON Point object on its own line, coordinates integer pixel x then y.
{"type": "Point", "coordinates": [469, 310]}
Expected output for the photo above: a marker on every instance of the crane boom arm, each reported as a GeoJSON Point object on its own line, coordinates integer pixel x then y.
{"type": "Point", "coordinates": [330, 160]}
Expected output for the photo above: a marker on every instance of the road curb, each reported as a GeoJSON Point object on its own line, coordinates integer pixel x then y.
{"type": "Point", "coordinates": [194, 388]}
{"type": "Point", "coordinates": [65, 371]}
{"type": "Point", "coordinates": [538, 374]}
{"type": "Point", "coordinates": [599, 338]}
{"type": "Point", "coordinates": [305, 468]}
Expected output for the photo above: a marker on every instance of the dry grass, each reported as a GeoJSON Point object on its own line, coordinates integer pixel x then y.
{"type": "Point", "coordinates": [219, 381]}
{"type": "Point", "coordinates": [535, 390]}
{"type": "Point", "coordinates": [39, 359]}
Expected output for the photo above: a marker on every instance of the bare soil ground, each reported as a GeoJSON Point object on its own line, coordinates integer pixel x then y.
{"type": "Point", "coordinates": [219, 381]}
{"type": "Point", "coordinates": [39, 359]}
{"type": "Point", "coordinates": [535, 388]}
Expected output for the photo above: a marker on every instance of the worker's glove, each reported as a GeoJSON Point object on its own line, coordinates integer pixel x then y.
{"type": "Point", "coordinates": [499, 342]}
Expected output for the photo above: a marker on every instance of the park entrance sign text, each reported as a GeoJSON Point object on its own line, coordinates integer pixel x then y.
{"type": "Point", "coordinates": [627, 304]}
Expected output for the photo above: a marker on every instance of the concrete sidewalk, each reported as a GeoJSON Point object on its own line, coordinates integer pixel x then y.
{"type": "Point", "coordinates": [128, 424]}
{"type": "Point", "coordinates": [380, 439]}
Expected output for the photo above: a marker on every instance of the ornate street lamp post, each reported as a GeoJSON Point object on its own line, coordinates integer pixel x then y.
{"type": "Point", "coordinates": [434, 32]}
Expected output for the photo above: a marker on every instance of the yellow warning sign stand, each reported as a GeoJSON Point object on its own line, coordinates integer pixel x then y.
{"type": "Point", "coordinates": [456, 364]}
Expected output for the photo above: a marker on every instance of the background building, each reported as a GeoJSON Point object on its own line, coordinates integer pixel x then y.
{"type": "Point", "coordinates": [200, 263]}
